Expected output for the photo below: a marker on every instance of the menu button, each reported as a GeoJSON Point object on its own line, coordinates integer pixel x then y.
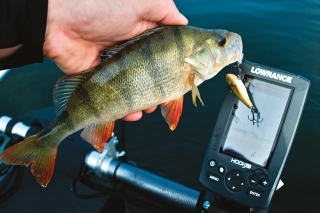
{"type": "Point", "coordinates": [213, 177]}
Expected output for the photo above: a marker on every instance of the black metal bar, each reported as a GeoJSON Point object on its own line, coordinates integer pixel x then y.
{"type": "Point", "coordinates": [174, 194]}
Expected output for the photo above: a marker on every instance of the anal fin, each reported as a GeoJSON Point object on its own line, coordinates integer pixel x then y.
{"type": "Point", "coordinates": [172, 112]}
{"type": "Point", "coordinates": [97, 134]}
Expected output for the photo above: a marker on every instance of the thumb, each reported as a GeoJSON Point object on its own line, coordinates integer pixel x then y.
{"type": "Point", "coordinates": [174, 19]}
{"type": "Point", "coordinates": [164, 12]}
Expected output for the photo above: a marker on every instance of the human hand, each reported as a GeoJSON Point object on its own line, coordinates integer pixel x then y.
{"type": "Point", "coordinates": [77, 31]}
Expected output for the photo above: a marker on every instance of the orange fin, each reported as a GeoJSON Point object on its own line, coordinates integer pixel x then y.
{"type": "Point", "coordinates": [194, 90]}
{"type": "Point", "coordinates": [172, 112]}
{"type": "Point", "coordinates": [98, 134]}
{"type": "Point", "coordinates": [32, 152]}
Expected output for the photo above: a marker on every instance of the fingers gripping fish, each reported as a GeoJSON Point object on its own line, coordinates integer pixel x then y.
{"type": "Point", "coordinates": [159, 66]}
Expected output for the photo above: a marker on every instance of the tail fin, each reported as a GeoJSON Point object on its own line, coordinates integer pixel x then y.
{"type": "Point", "coordinates": [32, 152]}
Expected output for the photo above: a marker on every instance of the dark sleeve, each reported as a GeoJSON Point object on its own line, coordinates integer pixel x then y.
{"type": "Point", "coordinates": [23, 22]}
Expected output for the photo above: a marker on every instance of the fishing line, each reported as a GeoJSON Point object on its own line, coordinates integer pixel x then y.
{"type": "Point", "coordinates": [313, 101]}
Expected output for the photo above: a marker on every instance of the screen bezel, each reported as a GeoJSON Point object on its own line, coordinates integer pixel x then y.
{"type": "Point", "coordinates": [228, 124]}
{"type": "Point", "coordinates": [281, 149]}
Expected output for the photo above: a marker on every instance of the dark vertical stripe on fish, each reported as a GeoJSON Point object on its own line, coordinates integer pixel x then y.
{"type": "Point", "coordinates": [66, 117]}
{"type": "Point", "coordinates": [86, 98]}
{"type": "Point", "coordinates": [124, 72]}
{"type": "Point", "coordinates": [126, 95]}
{"type": "Point", "coordinates": [178, 38]}
{"type": "Point", "coordinates": [153, 70]}
{"type": "Point", "coordinates": [121, 62]}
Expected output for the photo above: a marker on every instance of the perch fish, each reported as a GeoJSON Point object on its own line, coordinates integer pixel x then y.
{"type": "Point", "coordinates": [158, 66]}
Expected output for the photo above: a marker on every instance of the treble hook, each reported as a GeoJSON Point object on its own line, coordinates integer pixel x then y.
{"type": "Point", "coordinates": [239, 72]}
{"type": "Point", "coordinates": [239, 75]}
{"type": "Point", "coordinates": [254, 120]}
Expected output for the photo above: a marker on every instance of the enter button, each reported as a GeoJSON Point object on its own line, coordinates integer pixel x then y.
{"type": "Point", "coordinates": [255, 193]}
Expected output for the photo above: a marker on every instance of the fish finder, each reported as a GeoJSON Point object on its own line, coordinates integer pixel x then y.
{"type": "Point", "coordinates": [248, 148]}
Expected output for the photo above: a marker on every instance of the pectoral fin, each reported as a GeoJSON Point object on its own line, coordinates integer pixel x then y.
{"type": "Point", "coordinates": [98, 134]}
{"type": "Point", "coordinates": [172, 112]}
{"type": "Point", "coordinates": [201, 60]}
{"type": "Point", "coordinates": [197, 65]}
{"type": "Point", "coordinates": [194, 91]}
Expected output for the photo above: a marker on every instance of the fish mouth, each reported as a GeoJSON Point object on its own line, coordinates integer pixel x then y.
{"type": "Point", "coordinates": [236, 48]}
{"type": "Point", "coordinates": [226, 48]}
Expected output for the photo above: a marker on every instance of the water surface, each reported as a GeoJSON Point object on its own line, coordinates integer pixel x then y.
{"type": "Point", "coordinates": [281, 34]}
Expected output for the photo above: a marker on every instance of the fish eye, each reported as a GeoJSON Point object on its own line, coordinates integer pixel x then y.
{"type": "Point", "coordinates": [222, 41]}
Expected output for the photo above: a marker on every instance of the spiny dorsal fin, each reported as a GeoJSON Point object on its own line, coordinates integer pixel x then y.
{"type": "Point", "coordinates": [108, 53]}
{"type": "Point", "coordinates": [64, 88]}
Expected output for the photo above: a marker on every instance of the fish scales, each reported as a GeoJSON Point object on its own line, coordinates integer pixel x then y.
{"type": "Point", "coordinates": [104, 95]}
{"type": "Point", "coordinates": [159, 66]}
{"type": "Point", "coordinates": [163, 84]}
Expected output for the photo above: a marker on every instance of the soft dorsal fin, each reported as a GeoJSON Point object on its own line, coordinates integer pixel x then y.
{"type": "Point", "coordinates": [108, 53]}
{"type": "Point", "coordinates": [64, 88]}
